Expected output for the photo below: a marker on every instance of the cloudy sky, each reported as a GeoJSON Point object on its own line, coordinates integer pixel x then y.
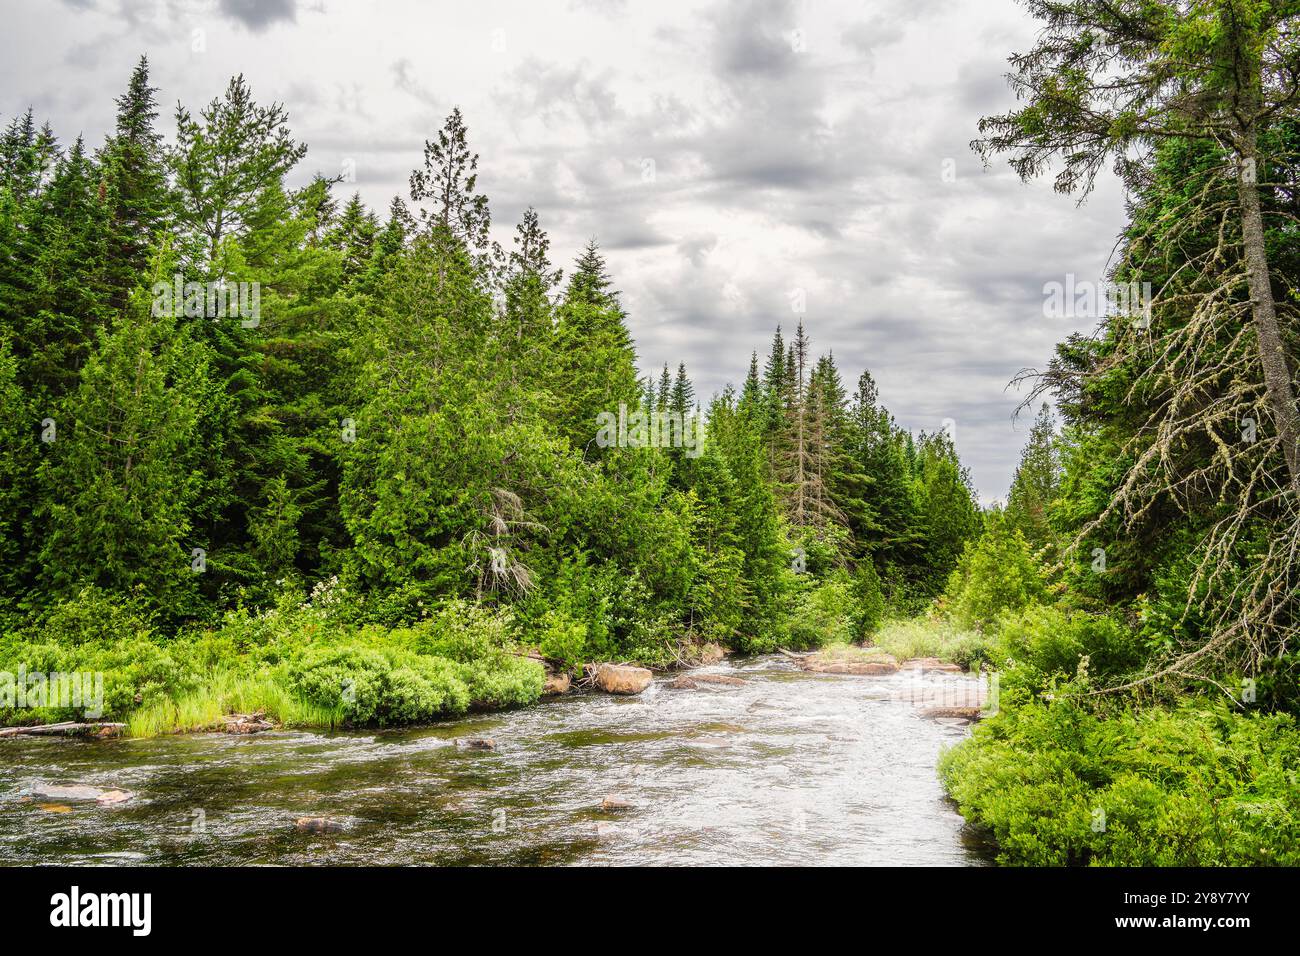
{"type": "Point", "coordinates": [731, 156]}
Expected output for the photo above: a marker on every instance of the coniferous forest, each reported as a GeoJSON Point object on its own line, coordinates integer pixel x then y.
{"type": "Point", "coordinates": [265, 450]}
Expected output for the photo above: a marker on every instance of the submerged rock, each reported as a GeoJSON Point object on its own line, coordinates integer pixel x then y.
{"type": "Point", "coordinates": [724, 679]}
{"type": "Point", "coordinates": [929, 664]}
{"type": "Point", "coordinates": [964, 713]}
{"type": "Point", "coordinates": [80, 792]}
{"type": "Point", "coordinates": [477, 743]}
{"type": "Point", "coordinates": [319, 825]}
{"type": "Point", "coordinates": [620, 678]}
{"type": "Point", "coordinates": [612, 802]}
{"type": "Point", "coordinates": [693, 681]}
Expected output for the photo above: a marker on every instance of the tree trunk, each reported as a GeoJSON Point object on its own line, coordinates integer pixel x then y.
{"type": "Point", "coordinates": [1272, 356]}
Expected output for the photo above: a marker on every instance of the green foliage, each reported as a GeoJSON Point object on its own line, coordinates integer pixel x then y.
{"type": "Point", "coordinates": [824, 613]}
{"type": "Point", "coordinates": [1042, 643]}
{"type": "Point", "coordinates": [996, 574]}
{"type": "Point", "coordinates": [408, 429]}
{"type": "Point", "coordinates": [941, 638]}
{"type": "Point", "coordinates": [1056, 784]}
{"type": "Point", "coordinates": [868, 599]}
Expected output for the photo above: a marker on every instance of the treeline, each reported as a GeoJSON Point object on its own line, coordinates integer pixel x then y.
{"type": "Point", "coordinates": [221, 393]}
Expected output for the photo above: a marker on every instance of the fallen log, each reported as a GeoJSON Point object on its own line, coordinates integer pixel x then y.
{"type": "Point", "coordinates": [68, 728]}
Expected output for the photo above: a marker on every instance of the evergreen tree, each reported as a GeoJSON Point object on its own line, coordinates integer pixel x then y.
{"type": "Point", "coordinates": [224, 161]}
{"type": "Point", "coordinates": [120, 484]}
{"type": "Point", "coordinates": [134, 168]}
{"type": "Point", "coordinates": [1036, 483]}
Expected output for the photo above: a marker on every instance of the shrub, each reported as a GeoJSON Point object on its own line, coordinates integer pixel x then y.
{"type": "Point", "coordinates": [823, 614]}
{"type": "Point", "coordinates": [380, 687]}
{"type": "Point", "coordinates": [93, 616]}
{"type": "Point", "coordinates": [1044, 641]}
{"type": "Point", "coordinates": [920, 637]}
{"type": "Point", "coordinates": [1056, 784]}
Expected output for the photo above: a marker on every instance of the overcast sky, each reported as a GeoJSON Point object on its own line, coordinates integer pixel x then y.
{"type": "Point", "coordinates": [724, 153]}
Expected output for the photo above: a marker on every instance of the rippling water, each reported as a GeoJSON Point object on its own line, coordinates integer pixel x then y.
{"type": "Point", "coordinates": [791, 768]}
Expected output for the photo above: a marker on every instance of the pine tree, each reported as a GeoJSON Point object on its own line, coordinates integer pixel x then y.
{"type": "Point", "coordinates": [529, 312]}
{"type": "Point", "coordinates": [449, 182]}
{"type": "Point", "coordinates": [594, 367]}
{"type": "Point", "coordinates": [121, 481]}
{"type": "Point", "coordinates": [355, 236]}
{"type": "Point", "coordinates": [225, 160]}
{"type": "Point", "coordinates": [134, 172]}
{"type": "Point", "coordinates": [1036, 483]}
{"type": "Point", "coordinates": [681, 400]}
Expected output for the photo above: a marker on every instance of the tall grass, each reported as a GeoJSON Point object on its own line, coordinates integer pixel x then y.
{"type": "Point", "coordinates": [228, 692]}
{"type": "Point", "coordinates": [931, 637]}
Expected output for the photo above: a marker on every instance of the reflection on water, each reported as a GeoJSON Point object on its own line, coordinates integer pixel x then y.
{"type": "Point", "coordinates": [791, 768]}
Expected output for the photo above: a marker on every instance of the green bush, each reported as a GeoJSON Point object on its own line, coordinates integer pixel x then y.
{"type": "Point", "coordinates": [560, 638]}
{"type": "Point", "coordinates": [380, 687]}
{"type": "Point", "coordinates": [823, 614]}
{"type": "Point", "coordinates": [1044, 641]}
{"type": "Point", "coordinates": [941, 638]}
{"type": "Point", "coordinates": [1055, 784]}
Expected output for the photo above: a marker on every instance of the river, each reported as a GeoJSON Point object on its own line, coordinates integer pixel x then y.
{"type": "Point", "coordinates": [790, 768]}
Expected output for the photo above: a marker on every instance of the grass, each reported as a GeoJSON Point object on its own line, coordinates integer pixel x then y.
{"type": "Point", "coordinates": [930, 637]}
{"type": "Point", "coordinates": [227, 692]}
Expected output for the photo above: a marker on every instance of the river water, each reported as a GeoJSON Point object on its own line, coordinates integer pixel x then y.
{"type": "Point", "coordinates": [790, 768]}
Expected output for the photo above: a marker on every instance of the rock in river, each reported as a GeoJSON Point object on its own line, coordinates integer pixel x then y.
{"type": "Point", "coordinates": [849, 660]}
{"type": "Point", "coordinates": [80, 792]}
{"type": "Point", "coordinates": [318, 825]}
{"type": "Point", "coordinates": [929, 664]}
{"type": "Point", "coordinates": [693, 681]}
{"type": "Point", "coordinates": [620, 678]}
{"type": "Point", "coordinates": [612, 802]}
{"type": "Point", "coordinates": [964, 713]}
{"type": "Point", "coordinates": [477, 743]}
{"type": "Point", "coordinates": [556, 684]}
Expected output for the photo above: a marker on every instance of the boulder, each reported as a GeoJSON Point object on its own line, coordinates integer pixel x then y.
{"type": "Point", "coordinates": [683, 683]}
{"type": "Point", "coordinates": [247, 723]}
{"type": "Point", "coordinates": [620, 678]}
{"type": "Point", "coordinates": [710, 654]}
{"type": "Point", "coordinates": [615, 803]}
{"type": "Point", "coordinates": [557, 684]}
{"type": "Point", "coordinates": [477, 743]}
{"type": "Point", "coordinates": [849, 661]}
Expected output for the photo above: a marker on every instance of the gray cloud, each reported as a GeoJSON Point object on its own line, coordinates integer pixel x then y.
{"type": "Point", "coordinates": [258, 15]}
